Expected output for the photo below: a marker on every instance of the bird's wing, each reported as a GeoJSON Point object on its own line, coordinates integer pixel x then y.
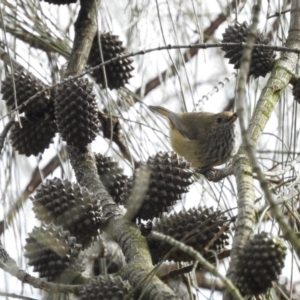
{"type": "Point", "coordinates": [178, 124]}
{"type": "Point", "coordinates": [192, 125]}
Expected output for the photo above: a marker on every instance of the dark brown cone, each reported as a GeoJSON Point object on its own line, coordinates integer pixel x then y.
{"type": "Point", "coordinates": [108, 287]}
{"type": "Point", "coordinates": [59, 2]}
{"type": "Point", "coordinates": [170, 178]}
{"type": "Point", "coordinates": [68, 205]}
{"type": "Point", "coordinates": [118, 72]}
{"type": "Point", "coordinates": [53, 253]}
{"type": "Point", "coordinates": [260, 263]}
{"type": "Point", "coordinates": [34, 136]}
{"type": "Point", "coordinates": [196, 227]}
{"type": "Point", "coordinates": [76, 113]}
{"type": "Point", "coordinates": [48, 113]}
{"type": "Point", "coordinates": [26, 85]}
{"type": "Point", "coordinates": [262, 60]}
{"type": "Point", "coordinates": [296, 89]}
{"type": "Point", "coordinates": [111, 176]}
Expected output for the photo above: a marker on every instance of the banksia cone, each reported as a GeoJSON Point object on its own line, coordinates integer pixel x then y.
{"type": "Point", "coordinates": [34, 136]}
{"type": "Point", "coordinates": [117, 72]}
{"type": "Point", "coordinates": [59, 2]}
{"type": "Point", "coordinates": [260, 263]}
{"type": "Point", "coordinates": [111, 176]}
{"type": "Point", "coordinates": [26, 85]}
{"type": "Point", "coordinates": [296, 88]}
{"type": "Point", "coordinates": [76, 112]}
{"type": "Point", "coordinates": [262, 60]}
{"type": "Point", "coordinates": [108, 287]}
{"type": "Point", "coordinates": [53, 253]}
{"type": "Point", "coordinates": [68, 205]}
{"type": "Point", "coordinates": [196, 227]}
{"type": "Point", "coordinates": [170, 178]}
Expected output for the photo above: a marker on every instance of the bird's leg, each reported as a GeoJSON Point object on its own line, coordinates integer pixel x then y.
{"type": "Point", "coordinates": [215, 175]}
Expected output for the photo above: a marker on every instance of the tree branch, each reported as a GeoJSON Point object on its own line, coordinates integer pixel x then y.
{"type": "Point", "coordinates": [126, 234]}
{"type": "Point", "coordinates": [242, 168]}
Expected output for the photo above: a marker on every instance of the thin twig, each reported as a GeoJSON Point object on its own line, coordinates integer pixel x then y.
{"type": "Point", "coordinates": [286, 169]}
{"type": "Point", "coordinates": [4, 133]}
{"type": "Point", "coordinates": [277, 14]}
{"type": "Point", "coordinates": [111, 129]}
{"type": "Point", "coordinates": [11, 295]}
{"type": "Point", "coordinates": [143, 52]}
{"type": "Point", "coordinates": [138, 192]}
{"type": "Point", "coordinates": [215, 90]}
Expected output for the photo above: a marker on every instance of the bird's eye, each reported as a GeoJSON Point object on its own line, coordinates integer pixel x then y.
{"type": "Point", "coordinates": [219, 120]}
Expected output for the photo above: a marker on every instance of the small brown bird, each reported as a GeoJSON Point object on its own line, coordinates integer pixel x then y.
{"type": "Point", "coordinates": [203, 139]}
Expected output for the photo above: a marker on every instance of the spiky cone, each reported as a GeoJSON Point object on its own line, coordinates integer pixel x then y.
{"type": "Point", "coordinates": [68, 205]}
{"type": "Point", "coordinates": [59, 2]}
{"type": "Point", "coordinates": [170, 178]}
{"type": "Point", "coordinates": [26, 86]}
{"type": "Point", "coordinates": [197, 227]}
{"type": "Point", "coordinates": [76, 112]}
{"type": "Point", "coordinates": [117, 72]}
{"type": "Point", "coordinates": [260, 263]}
{"type": "Point", "coordinates": [296, 88]}
{"type": "Point", "coordinates": [46, 114]}
{"type": "Point", "coordinates": [108, 287]}
{"type": "Point", "coordinates": [53, 253]}
{"type": "Point", "coordinates": [111, 176]}
{"type": "Point", "coordinates": [33, 137]}
{"type": "Point", "coordinates": [262, 60]}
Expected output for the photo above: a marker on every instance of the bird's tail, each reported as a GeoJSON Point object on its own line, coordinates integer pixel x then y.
{"type": "Point", "coordinates": [161, 110]}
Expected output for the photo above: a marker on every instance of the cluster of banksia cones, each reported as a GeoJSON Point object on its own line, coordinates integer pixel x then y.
{"type": "Point", "coordinates": [71, 108]}
{"type": "Point", "coordinates": [68, 211]}
{"type": "Point", "coordinates": [262, 60]}
{"type": "Point", "coordinates": [34, 132]}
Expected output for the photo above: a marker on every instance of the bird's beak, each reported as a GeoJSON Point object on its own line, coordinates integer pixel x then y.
{"type": "Point", "coordinates": [234, 117]}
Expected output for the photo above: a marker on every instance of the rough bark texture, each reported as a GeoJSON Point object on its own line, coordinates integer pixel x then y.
{"type": "Point", "coordinates": [139, 270]}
